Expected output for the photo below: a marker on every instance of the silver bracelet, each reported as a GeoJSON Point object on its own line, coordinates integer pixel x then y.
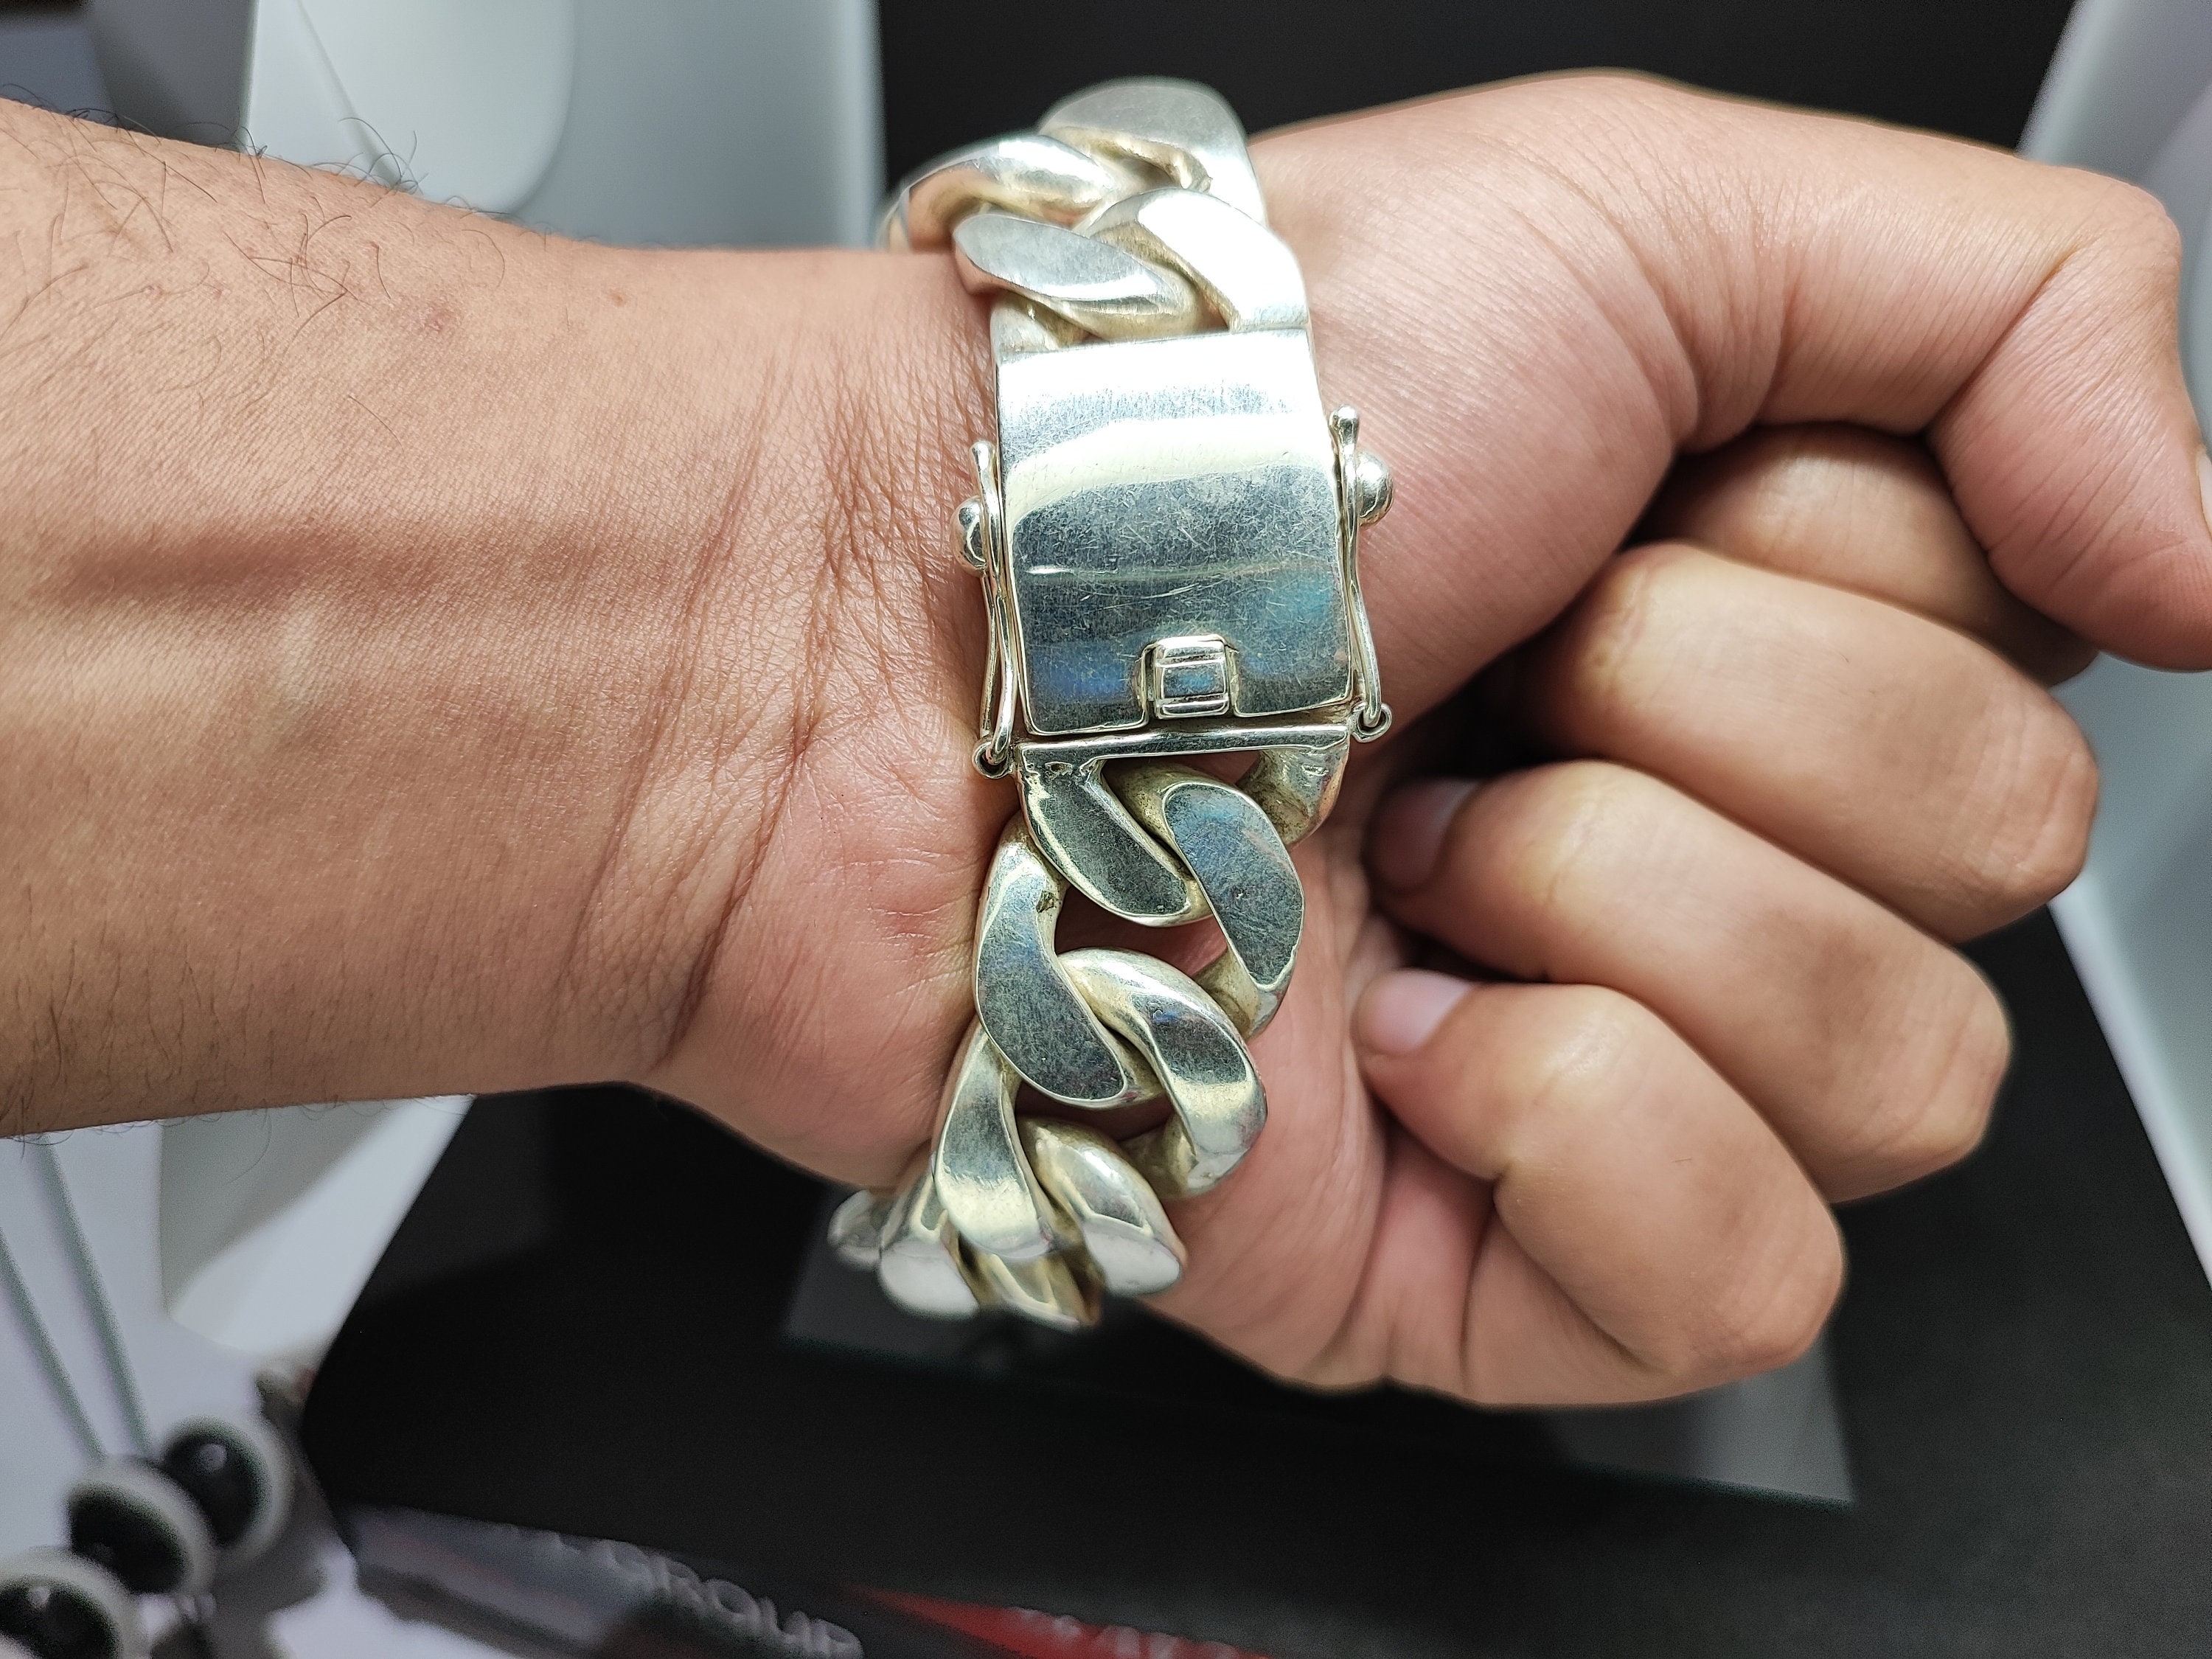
{"type": "Point", "coordinates": [1168, 536]}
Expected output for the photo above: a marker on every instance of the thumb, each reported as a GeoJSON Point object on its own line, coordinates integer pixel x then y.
{"type": "Point", "coordinates": [2073, 449]}
{"type": "Point", "coordinates": [1716, 265]}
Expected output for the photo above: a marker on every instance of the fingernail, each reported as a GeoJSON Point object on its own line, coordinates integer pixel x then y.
{"type": "Point", "coordinates": [2204, 484]}
{"type": "Point", "coordinates": [1408, 836]}
{"type": "Point", "coordinates": [1402, 1010]}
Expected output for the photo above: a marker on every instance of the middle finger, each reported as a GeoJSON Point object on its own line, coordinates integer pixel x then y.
{"type": "Point", "coordinates": [1910, 761]}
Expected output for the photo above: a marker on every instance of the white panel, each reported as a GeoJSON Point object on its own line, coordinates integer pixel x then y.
{"type": "Point", "coordinates": [722, 123]}
{"type": "Point", "coordinates": [2125, 73]}
{"type": "Point", "coordinates": [464, 103]}
{"type": "Point", "coordinates": [283, 1286]}
{"type": "Point", "coordinates": [295, 108]}
{"type": "Point", "coordinates": [682, 123]}
{"type": "Point", "coordinates": [112, 1175]}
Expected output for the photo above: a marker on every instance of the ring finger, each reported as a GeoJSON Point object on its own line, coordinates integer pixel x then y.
{"type": "Point", "coordinates": [1872, 1048]}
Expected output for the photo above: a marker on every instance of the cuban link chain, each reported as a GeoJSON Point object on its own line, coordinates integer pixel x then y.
{"type": "Point", "coordinates": [1168, 536]}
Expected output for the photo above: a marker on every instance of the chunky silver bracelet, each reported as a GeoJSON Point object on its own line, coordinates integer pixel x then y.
{"type": "Point", "coordinates": [1168, 536]}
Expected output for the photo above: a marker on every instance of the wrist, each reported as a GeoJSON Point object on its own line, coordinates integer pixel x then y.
{"type": "Point", "coordinates": [842, 645]}
{"type": "Point", "coordinates": [822, 642]}
{"type": "Point", "coordinates": [403, 716]}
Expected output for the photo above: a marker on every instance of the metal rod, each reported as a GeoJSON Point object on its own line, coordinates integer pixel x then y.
{"type": "Point", "coordinates": [95, 1297]}
{"type": "Point", "coordinates": [50, 1360]}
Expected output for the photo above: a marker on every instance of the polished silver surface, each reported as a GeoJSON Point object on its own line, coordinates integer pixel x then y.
{"type": "Point", "coordinates": [1024, 997]}
{"type": "Point", "coordinates": [1167, 534]}
{"type": "Point", "coordinates": [1240, 863]}
{"type": "Point", "coordinates": [1247, 275]}
{"type": "Point", "coordinates": [969, 535]}
{"type": "Point", "coordinates": [1372, 488]}
{"type": "Point", "coordinates": [919, 1256]}
{"type": "Point", "coordinates": [1183, 128]}
{"type": "Point", "coordinates": [1024, 172]}
{"type": "Point", "coordinates": [1372, 719]}
{"type": "Point", "coordinates": [1020, 325]}
{"type": "Point", "coordinates": [856, 1230]}
{"type": "Point", "coordinates": [1295, 782]}
{"type": "Point", "coordinates": [984, 548]}
{"type": "Point", "coordinates": [1195, 1051]}
{"type": "Point", "coordinates": [982, 1178]}
{"type": "Point", "coordinates": [1086, 831]}
{"type": "Point", "coordinates": [1056, 1290]}
{"type": "Point", "coordinates": [1297, 767]}
{"type": "Point", "coordinates": [1125, 1231]}
{"type": "Point", "coordinates": [1092, 284]}
{"type": "Point", "coordinates": [1187, 678]}
{"type": "Point", "coordinates": [1158, 488]}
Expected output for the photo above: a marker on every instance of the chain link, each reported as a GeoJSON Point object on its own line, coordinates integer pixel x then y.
{"type": "Point", "coordinates": [1131, 214]}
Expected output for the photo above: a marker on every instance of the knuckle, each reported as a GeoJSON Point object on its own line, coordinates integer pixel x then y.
{"type": "Point", "coordinates": [1959, 1112]}
{"type": "Point", "coordinates": [1585, 1066]}
{"type": "Point", "coordinates": [1943, 1122]}
{"type": "Point", "coordinates": [1781, 480]}
{"type": "Point", "coordinates": [1611, 613]}
{"type": "Point", "coordinates": [2125, 249]}
{"type": "Point", "coordinates": [1633, 584]}
{"type": "Point", "coordinates": [1597, 656]}
{"type": "Point", "coordinates": [1770, 1316]}
{"type": "Point", "coordinates": [1954, 1113]}
{"type": "Point", "coordinates": [1565, 816]}
{"type": "Point", "coordinates": [2044, 799]}
{"type": "Point", "coordinates": [2131, 221]}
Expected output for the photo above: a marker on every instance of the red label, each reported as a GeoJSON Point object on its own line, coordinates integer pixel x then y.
{"type": "Point", "coordinates": [1033, 1635]}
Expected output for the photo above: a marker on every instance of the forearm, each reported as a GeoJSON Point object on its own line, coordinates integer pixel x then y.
{"type": "Point", "coordinates": [403, 618]}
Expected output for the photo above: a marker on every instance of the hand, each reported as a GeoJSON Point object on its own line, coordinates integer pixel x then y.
{"type": "Point", "coordinates": [436, 656]}
{"type": "Point", "coordinates": [1791, 753]}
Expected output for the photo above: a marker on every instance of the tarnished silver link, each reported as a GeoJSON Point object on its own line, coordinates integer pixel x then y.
{"type": "Point", "coordinates": [1167, 531]}
{"type": "Point", "coordinates": [1024, 172]}
{"type": "Point", "coordinates": [1094, 285]}
{"type": "Point", "coordinates": [1184, 130]}
{"type": "Point", "coordinates": [1250, 279]}
{"type": "Point", "coordinates": [1125, 1231]}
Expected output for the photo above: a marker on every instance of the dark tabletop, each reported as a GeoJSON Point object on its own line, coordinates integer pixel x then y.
{"type": "Point", "coordinates": [580, 1328]}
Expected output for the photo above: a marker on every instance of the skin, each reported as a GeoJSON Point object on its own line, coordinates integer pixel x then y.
{"type": "Point", "coordinates": [433, 657]}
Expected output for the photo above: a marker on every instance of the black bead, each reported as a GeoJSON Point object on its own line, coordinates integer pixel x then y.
{"type": "Point", "coordinates": [56, 1622]}
{"type": "Point", "coordinates": [220, 1479]}
{"type": "Point", "coordinates": [130, 1543]}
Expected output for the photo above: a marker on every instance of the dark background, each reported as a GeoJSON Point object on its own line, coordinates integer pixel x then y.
{"type": "Point", "coordinates": [960, 70]}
